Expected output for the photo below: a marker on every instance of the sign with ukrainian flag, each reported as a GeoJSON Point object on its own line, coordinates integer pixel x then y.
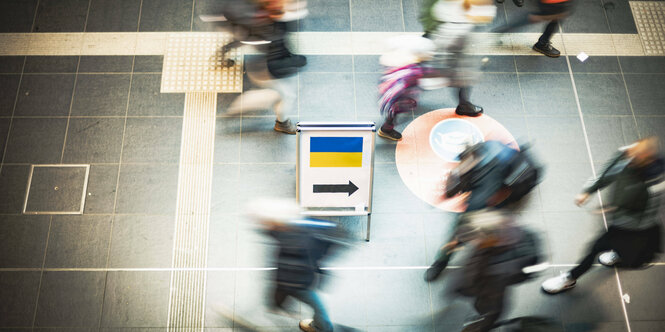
{"type": "Point", "coordinates": [335, 166]}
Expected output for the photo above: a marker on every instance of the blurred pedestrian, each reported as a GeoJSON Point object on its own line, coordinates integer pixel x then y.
{"type": "Point", "coordinates": [271, 93]}
{"type": "Point", "coordinates": [398, 89]}
{"type": "Point", "coordinates": [502, 254]}
{"type": "Point", "coordinates": [634, 233]}
{"type": "Point", "coordinates": [495, 176]}
{"type": "Point", "coordinates": [302, 245]}
{"type": "Point", "coordinates": [448, 23]}
{"type": "Point", "coordinates": [551, 11]}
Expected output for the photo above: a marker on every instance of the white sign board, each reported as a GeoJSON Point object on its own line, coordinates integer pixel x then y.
{"type": "Point", "coordinates": [334, 167]}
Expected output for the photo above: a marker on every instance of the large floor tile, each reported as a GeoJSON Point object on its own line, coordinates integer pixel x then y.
{"type": "Point", "coordinates": [396, 240]}
{"type": "Point", "coordinates": [407, 300]}
{"type": "Point", "coordinates": [227, 139]}
{"type": "Point", "coordinates": [596, 64]}
{"type": "Point", "coordinates": [642, 64]}
{"type": "Point", "coordinates": [366, 93]}
{"type": "Point", "coordinates": [136, 299]}
{"type": "Point", "coordinates": [619, 16]}
{"type": "Point", "coordinates": [147, 189]}
{"type": "Point", "coordinates": [78, 241]}
{"type": "Point", "coordinates": [328, 64]}
{"type": "Point", "coordinates": [101, 95]}
{"type": "Point", "coordinates": [588, 17]}
{"type": "Point", "coordinates": [561, 182]}
{"type": "Point", "coordinates": [610, 100]}
{"type": "Point", "coordinates": [14, 184]}
{"type": "Point", "coordinates": [223, 239]}
{"type": "Point", "coordinates": [51, 64]}
{"type": "Point", "coordinates": [102, 182]}
{"type": "Point", "coordinates": [327, 15]}
{"type": "Point", "coordinates": [19, 291]}
{"type": "Point", "coordinates": [411, 13]}
{"type": "Point", "coordinates": [36, 140]}
{"type": "Point", "coordinates": [390, 193]}
{"type": "Point", "coordinates": [271, 180]}
{"type": "Point", "coordinates": [220, 299]}
{"type": "Point", "coordinates": [152, 140]}
{"type": "Point", "coordinates": [368, 15]}
{"type": "Point", "coordinates": [338, 104]}
{"type": "Point", "coordinates": [61, 15]}
{"type": "Point", "coordinates": [148, 63]}
{"type": "Point", "coordinates": [540, 64]}
{"type": "Point", "coordinates": [498, 94]}
{"type": "Point", "coordinates": [651, 125]}
{"type": "Point", "coordinates": [113, 16]}
{"type": "Point", "coordinates": [45, 95]}
{"type": "Point", "coordinates": [94, 140]}
{"type": "Point", "coordinates": [158, 15]}
{"type": "Point", "coordinates": [8, 90]}
{"type": "Point", "coordinates": [595, 300]}
{"type": "Point", "coordinates": [145, 98]}
{"type": "Point", "coordinates": [105, 64]}
{"type": "Point", "coordinates": [645, 93]}
{"type": "Point", "coordinates": [225, 183]}
{"type": "Point", "coordinates": [11, 64]}
{"type": "Point", "coordinates": [70, 299]}
{"type": "Point", "coordinates": [17, 15]}
{"type": "Point", "coordinates": [142, 241]}
{"type": "Point", "coordinates": [23, 240]}
{"type": "Point", "coordinates": [548, 94]}
{"type": "Point", "coordinates": [644, 288]}
{"type": "Point", "coordinates": [558, 139]}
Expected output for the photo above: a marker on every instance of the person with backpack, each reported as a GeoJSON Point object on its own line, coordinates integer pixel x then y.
{"type": "Point", "coordinates": [495, 175]}
{"type": "Point", "coordinates": [503, 254]}
{"type": "Point", "coordinates": [551, 11]}
{"type": "Point", "coordinates": [633, 237]}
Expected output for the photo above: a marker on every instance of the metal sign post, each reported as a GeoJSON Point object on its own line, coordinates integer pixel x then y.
{"type": "Point", "coordinates": [335, 168]}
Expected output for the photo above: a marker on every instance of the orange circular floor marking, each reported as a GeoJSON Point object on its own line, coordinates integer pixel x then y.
{"type": "Point", "coordinates": [426, 153]}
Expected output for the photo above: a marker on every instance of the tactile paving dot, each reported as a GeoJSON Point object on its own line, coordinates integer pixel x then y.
{"type": "Point", "coordinates": [193, 63]}
{"type": "Point", "coordinates": [650, 21]}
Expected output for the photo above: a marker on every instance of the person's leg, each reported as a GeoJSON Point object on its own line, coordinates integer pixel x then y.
{"type": "Point", "coordinates": [489, 307]}
{"type": "Point", "coordinates": [464, 106]}
{"type": "Point", "coordinates": [543, 45]}
{"type": "Point", "coordinates": [287, 89]}
{"type": "Point", "coordinates": [519, 21]}
{"type": "Point", "coordinates": [321, 321]}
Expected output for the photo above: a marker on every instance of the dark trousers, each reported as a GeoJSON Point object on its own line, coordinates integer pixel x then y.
{"type": "Point", "coordinates": [309, 297]}
{"type": "Point", "coordinates": [602, 244]}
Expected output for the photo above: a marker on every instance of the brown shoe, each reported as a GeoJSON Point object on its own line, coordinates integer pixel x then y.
{"type": "Point", "coordinates": [286, 127]}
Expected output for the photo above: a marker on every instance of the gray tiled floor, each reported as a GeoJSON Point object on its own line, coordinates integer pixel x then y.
{"type": "Point", "coordinates": [107, 111]}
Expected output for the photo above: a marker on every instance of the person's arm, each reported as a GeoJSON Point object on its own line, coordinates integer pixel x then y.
{"type": "Point", "coordinates": [607, 175]}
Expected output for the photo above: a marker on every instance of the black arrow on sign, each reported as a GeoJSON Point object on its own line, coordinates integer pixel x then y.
{"type": "Point", "coordinates": [336, 188]}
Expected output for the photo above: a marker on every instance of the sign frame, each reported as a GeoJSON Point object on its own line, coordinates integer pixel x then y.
{"type": "Point", "coordinates": [357, 126]}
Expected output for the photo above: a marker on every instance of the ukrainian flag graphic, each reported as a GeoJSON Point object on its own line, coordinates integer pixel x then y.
{"type": "Point", "coordinates": [336, 152]}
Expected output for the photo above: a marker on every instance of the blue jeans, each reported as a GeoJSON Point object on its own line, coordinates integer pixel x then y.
{"type": "Point", "coordinates": [309, 297]}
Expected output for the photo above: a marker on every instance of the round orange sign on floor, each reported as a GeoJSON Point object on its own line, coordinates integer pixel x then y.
{"type": "Point", "coordinates": [429, 149]}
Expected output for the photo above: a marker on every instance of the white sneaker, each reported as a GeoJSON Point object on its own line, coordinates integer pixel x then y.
{"type": "Point", "coordinates": [307, 325]}
{"type": "Point", "coordinates": [558, 284]}
{"type": "Point", "coordinates": [609, 258]}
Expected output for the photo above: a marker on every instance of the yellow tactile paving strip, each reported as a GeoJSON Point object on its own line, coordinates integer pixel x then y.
{"type": "Point", "coordinates": [190, 239]}
{"type": "Point", "coordinates": [359, 43]}
{"type": "Point", "coordinates": [650, 21]}
{"type": "Point", "coordinates": [193, 63]}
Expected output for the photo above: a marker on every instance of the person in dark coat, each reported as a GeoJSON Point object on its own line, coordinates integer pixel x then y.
{"type": "Point", "coordinates": [503, 253]}
{"type": "Point", "coordinates": [302, 244]}
{"type": "Point", "coordinates": [633, 236]}
{"type": "Point", "coordinates": [483, 173]}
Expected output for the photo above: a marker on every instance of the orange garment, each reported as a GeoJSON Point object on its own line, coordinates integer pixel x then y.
{"type": "Point", "coordinates": [275, 8]}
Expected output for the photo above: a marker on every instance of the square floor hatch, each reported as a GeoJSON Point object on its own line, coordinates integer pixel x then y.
{"type": "Point", "coordinates": [56, 189]}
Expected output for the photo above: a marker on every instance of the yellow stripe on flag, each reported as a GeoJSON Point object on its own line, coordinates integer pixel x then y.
{"type": "Point", "coordinates": [335, 159]}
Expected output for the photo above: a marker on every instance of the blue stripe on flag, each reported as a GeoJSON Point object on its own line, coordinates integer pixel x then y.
{"type": "Point", "coordinates": [336, 144]}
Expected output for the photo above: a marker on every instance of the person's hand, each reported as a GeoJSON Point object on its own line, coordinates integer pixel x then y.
{"type": "Point", "coordinates": [580, 199]}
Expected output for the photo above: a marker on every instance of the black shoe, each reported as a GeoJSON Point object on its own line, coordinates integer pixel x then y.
{"type": "Point", "coordinates": [546, 49]}
{"type": "Point", "coordinates": [518, 3]}
{"type": "Point", "coordinates": [499, 1]}
{"type": "Point", "coordinates": [468, 109]}
{"type": "Point", "coordinates": [390, 134]}
{"type": "Point", "coordinates": [435, 270]}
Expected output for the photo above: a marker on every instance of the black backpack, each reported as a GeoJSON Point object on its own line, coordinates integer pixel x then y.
{"type": "Point", "coordinates": [524, 175]}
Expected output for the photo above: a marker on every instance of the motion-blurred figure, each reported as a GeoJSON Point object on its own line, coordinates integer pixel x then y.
{"type": "Point", "coordinates": [552, 11]}
{"type": "Point", "coordinates": [271, 93]}
{"type": "Point", "coordinates": [399, 84]}
{"type": "Point", "coordinates": [633, 237]}
{"type": "Point", "coordinates": [448, 23]}
{"type": "Point", "coordinates": [502, 254]}
{"type": "Point", "coordinates": [302, 244]}
{"type": "Point", "coordinates": [494, 175]}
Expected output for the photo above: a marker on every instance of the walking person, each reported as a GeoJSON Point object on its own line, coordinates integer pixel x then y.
{"type": "Point", "coordinates": [551, 11]}
{"type": "Point", "coordinates": [634, 233]}
{"type": "Point", "coordinates": [494, 175]}
{"type": "Point", "coordinates": [301, 247]}
{"type": "Point", "coordinates": [449, 23]}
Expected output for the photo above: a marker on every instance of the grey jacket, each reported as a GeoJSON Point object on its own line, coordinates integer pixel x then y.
{"type": "Point", "coordinates": [633, 202]}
